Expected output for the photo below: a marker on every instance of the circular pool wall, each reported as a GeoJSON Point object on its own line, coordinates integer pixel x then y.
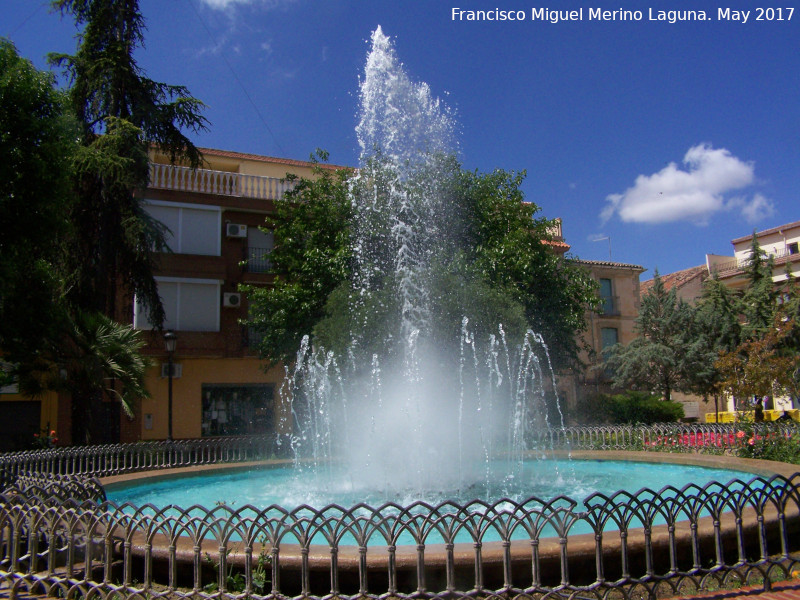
{"type": "Point", "coordinates": [562, 554]}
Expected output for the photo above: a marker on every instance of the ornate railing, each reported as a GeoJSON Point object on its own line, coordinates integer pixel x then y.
{"type": "Point", "coordinates": [118, 459]}
{"type": "Point", "coordinates": [59, 540]}
{"type": "Point", "coordinates": [206, 181]}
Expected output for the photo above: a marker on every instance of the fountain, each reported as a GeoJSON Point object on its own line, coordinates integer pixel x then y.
{"type": "Point", "coordinates": [426, 426]}
{"type": "Point", "coordinates": [406, 408]}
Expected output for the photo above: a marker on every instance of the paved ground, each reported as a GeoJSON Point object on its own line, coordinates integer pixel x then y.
{"type": "Point", "coordinates": [783, 590]}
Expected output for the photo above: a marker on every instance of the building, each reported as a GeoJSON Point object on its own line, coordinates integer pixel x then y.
{"type": "Point", "coordinates": [688, 283]}
{"type": "Point", "coordinates": [781, 243]}
{"type": "Point", "coordinates": [620, 294]}
{"type": "Point", "coordinates": [219, 386]}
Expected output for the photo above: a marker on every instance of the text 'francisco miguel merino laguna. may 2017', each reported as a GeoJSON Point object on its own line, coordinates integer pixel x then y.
{"type": "Point", "coordinates": [756, 14]}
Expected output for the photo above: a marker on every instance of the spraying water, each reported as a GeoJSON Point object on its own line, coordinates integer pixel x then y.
{"type": "Point", "coordinates": [406, 413]}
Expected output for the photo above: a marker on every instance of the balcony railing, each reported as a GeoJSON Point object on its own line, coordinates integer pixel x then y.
{"type": "Point", "coordinates": [742, 263]}
{"type": "Point", "coordinates": [256, 260]}
{"type": "Point", "coordinates": [206, 181]}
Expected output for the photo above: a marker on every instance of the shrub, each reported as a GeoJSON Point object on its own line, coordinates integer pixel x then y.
{"type": "Point", "coordinates": [638, 407]}
{"type": "Point", "coordinates": [769, 442]}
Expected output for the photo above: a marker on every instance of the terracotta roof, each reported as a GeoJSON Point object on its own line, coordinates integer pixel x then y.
{"type": "Point", "coordinates": [557, 245]}
{"type": "Point", "coordinates": [268, 159]}
{"type": "Point", "coordinates": [777, 229]}
{"type": "Point", "coordinates": [678, 279]}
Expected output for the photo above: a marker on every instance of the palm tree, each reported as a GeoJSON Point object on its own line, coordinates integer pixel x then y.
{"type": "Point", "coordinates": [101, 357]}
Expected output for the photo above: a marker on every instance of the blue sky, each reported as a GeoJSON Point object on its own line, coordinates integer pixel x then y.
{"type": "Point", "coordinates": [670, 139]}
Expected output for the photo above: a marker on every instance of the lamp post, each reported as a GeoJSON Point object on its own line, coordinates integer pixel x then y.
{"type": "Point", "coordinates": [170, 342]}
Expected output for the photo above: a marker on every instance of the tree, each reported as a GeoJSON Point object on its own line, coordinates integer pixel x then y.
{"type": "Point", "coordinates": [507, 242]}
{"type": "Point", "coordinates": [489, 262]}
{"type": "Point", "coordinates": [718, 330]}
{"type": "Point", "coordinates": [759, 298]}
{"type": "Point", "coordinates": [761, 367]}
{"type": "Point", "coordinates": [36, 146]}
{"type": "Point", "coordinates": [122, 114]}
{"type": "Point", "coordinates": [661, 357]}
{"type": "Point", "coordinates": [93, 356]}
{"type": "Point", "coordinates": [310, 258]}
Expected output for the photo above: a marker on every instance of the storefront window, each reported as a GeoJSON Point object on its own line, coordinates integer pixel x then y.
{"type": "Point", "coordinates": [237, 409]}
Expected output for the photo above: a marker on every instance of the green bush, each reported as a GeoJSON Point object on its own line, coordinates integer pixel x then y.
{"type": "Point", "coordinates": [637, 407]}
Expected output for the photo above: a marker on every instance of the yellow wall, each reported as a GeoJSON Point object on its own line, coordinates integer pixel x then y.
{"type": "Point", "coordinates": [49, 408]}
{"type": "Point", "coordinates": [187, 402]}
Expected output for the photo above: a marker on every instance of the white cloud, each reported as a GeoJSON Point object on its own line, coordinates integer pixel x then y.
{"type": "Point", "coordinates": [758, 209]}
{"type": "Point", "coordinates": [693, 191]}
{"type": "Point", "coordinates": [226, 5]}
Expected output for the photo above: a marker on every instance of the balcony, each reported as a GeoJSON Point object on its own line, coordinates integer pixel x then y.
{"type": "Point", "coordinates": [742, 263]}
{"type": "Point", "coordinates": [256, 260]}
{"type": "Point", "coordinates": [224, 183]}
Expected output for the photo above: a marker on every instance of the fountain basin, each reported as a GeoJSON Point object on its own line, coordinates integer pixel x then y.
{"type": "Point", "coordinates": [547, 561]}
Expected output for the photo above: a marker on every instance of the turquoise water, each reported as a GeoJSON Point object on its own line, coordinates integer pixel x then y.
{"type": "Point", "coordinates": [545, 480]}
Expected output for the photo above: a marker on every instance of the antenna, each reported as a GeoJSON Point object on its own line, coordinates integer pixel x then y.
{"type": "Point", "coordinates": [600, 239]}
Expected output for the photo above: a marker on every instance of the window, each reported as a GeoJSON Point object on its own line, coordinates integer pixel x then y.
{"type": "Point", "coordinates": [792, 248]}
{"type": "Point", "coordinates": [259, 245]}
{"type": "Point", "coordinates": [608, 337]}
{"type": "Point", "coordinates": [237, 409]}
{"type": "Point", "coordinates": [189, 305]}
{"type": "Point", "coordinates": [606, 297]}
{"type": "Point", "coordinates": [193, 228]}
{"type": "Point", "coordinates": [11, 387]}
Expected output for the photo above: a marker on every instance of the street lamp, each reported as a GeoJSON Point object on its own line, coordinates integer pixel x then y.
{"type": "Point", "coordinates": [170, 342]}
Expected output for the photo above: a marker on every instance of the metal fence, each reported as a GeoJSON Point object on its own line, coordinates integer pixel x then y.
{"type": "Point", "coordinates": [61, 538]}
{"type": "Point", "coordinates": [118, 459]}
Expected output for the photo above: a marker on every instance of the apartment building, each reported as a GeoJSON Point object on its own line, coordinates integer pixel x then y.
{"type": "Point", "coordinates": [219, 386]}
{"type": "Point", "coordinates": [620, 299]}
{"type": "Point", "coordinates": [781, 243]}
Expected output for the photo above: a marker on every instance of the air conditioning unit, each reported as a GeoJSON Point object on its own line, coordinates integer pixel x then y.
{"type": "Point", "coordinates": [233, 230]}
{"type": "Point", "coordinates": [231, 299]}
{"type": "Point", "coordinates": [177, 370]}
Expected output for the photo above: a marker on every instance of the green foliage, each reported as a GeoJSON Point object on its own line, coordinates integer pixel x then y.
{"type": "Point", "coordinates": [36, 145]}
{"type": "Point", "coordinates": [311, 258]}
{"type": "Point", "coordinates": [93, 355]}
{"type": "Point", "coordinates": [507, 244]}
{"type": "Point", "coordinates": [637, 408]}
{"type": "Point", "coordinates": [663, 355]}
{"type": "Point", "coordinates": [758, 300]}
{"type": "Point", "coordinates": [487, 262]}
{"type": "Point", "coordinates": [717, 329]}
{"type": "Point", "coordinates": [235, 580]}
{"type": "Point", "coordinates": [122, 114]}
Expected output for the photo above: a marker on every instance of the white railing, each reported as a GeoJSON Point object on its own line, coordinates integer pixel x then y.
{"type": "Point", "coordinates": [206, 181]}
{"type": "Point", "coordinates": [742, 263]}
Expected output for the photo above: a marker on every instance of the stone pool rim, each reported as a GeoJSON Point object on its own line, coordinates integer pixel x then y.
{"type": "Point", "coordinates": [582, 547]}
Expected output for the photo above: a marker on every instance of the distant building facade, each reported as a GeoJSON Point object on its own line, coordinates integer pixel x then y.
{"type": "Point", "coordinates": [215, 216]}
{"type": "Point", "coordinates": [620, 294]}
{"type": "Point", "coordinates": [781, 244]}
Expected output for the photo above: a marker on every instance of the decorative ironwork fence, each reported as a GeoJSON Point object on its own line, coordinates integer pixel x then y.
{"type": "Point", "coordinates": [56, 541]}
{"type": "Point", "coordinates": [118, 459]}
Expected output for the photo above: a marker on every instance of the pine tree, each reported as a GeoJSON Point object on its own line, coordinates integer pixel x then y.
{"type": "Point", "coordinates": [759, 298]}
{"type": "Point", "coordinates": [660, 358]}
{"type": "Point", "coordinates": [123, 114]}
{"type": "Point", "coordinates": [718, 330]}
